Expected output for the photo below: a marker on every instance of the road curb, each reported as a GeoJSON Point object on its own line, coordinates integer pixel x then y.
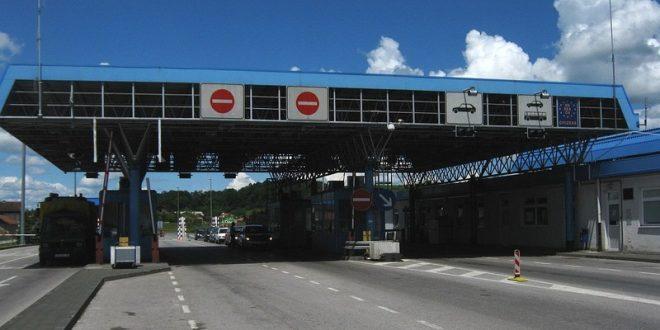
{"type": "Point", "coordinates": [64, 305]}
{"type": "Point", "coordinates": [610, 257]}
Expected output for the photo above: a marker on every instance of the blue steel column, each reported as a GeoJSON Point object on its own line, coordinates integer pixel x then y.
{"type": "Point", "coordinates": [569, 208]}
{"type": "Point", "coordinates": [369, 185]}
{"type": "Point", "coordinates": [134, 187]}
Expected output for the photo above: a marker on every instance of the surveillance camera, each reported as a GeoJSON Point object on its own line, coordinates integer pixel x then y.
{"type": "Point", "coordinates": [390, 126]}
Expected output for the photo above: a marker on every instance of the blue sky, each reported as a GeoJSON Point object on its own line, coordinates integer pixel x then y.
{"type": "Point", "coordinates": [346, 36]}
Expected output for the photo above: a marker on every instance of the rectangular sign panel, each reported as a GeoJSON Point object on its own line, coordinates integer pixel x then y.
{"type": "Point", "coordinates": [534, 111]}
{"type": "Point", "coordinates": [464, 109]}
{"type": "Point", "coordinates": [567, 112]}
{"type": "Point", "coordinates": [307, 103]}
{"type": "Point", "coordinates": [222, 101]}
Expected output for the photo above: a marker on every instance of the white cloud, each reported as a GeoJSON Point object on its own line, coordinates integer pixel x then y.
{"type": "Point", "coordinates": [438, 73]}
{"type": "Point", "coordinates": [387, 59]}
{"type": "Point", "coordinates": [30, 160]}
{"type": "Point", "coordinates": [36, 170]}
{"type": "Point", "coordinates": [328, 70]}
{"type": "Point", "coordinates": [8, 47]}
{"type": "Point", "coordinates": [8, 143]}
{"type": "Point", "coordinates": [35, 190]}
{"type": "Point", "coordinates": [242, 180]}
{"type": "Point", "coordinates": [489, 56]}
{"type": "Point", "coordinates": [294, 68]}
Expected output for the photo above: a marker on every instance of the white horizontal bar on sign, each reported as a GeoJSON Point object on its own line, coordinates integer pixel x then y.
{"type": "Point", "coordinates": [307, 103]}
{"type": "Point", "coordinates": [222, 101]}
{"type": "Point", "coordinates": [359, 199]}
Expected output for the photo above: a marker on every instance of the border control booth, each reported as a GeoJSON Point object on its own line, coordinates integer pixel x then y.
{"type": "Point", "coordinates": [297, 126]}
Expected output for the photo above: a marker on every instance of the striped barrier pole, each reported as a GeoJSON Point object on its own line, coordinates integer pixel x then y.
{"type": "Point", "coordinates": [516, 268]}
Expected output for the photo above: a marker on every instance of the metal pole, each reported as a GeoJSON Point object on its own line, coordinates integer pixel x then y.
{"type": "Point", "coordinates": [210, 199]}
{"type": "Point", "coordinates": [178, 212]}
{"type": "Point", "coordinates": [39, 56]}
{"type": "Point", "coordinates": [75, 184]}
{"type": "Point", "coordinates": [22, 224]}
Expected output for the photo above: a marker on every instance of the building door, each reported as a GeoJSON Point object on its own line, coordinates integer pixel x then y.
{"type": "Point", "coordinates": [611, 198]}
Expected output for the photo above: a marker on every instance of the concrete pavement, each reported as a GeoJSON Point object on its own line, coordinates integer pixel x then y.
{"type": "Point", "coordinates": [212, 286]}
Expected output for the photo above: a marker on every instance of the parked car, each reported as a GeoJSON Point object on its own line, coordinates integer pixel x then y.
{"type": "Point", "coordinates": [200, 233]}
{"type": "Point", "coordinates": [254, 236]}
{"type": "Point", "coordinates": [220, 235]}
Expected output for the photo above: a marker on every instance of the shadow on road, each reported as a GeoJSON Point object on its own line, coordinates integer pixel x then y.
{"type": "Point", "coordinates": [220, 254]}
{"type": "Point", "coordinates": [469, 251]}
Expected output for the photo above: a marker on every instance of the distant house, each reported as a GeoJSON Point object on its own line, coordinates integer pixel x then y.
{"type": "Point", "coordinates": [9, 214]}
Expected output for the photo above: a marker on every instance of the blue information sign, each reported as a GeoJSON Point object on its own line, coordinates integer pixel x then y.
{"type": "Point", "coordinates": [384, 199]}
{"type": "Point", "coordinates": [567, 112]}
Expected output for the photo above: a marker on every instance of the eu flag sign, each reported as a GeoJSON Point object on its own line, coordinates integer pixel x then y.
{"type": "Point", "coordinates": [567, 112]}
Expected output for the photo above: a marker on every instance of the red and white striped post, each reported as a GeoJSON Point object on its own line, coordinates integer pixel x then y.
{"type": "Point", "coordinates": [516, 268]}
{"type": "Point", "coordinates": [516, 263]}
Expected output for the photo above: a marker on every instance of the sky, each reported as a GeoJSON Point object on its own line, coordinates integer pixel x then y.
{"type": "Point", "coordinates": [561, 40]}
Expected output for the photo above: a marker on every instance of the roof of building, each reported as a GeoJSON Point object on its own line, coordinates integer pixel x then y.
{"type": "Point", "coordinates": [628, 144]}
{"type": "Point", "coordinates": [9, 220]}
{"type": "Point", "coordinates": [10, 207]}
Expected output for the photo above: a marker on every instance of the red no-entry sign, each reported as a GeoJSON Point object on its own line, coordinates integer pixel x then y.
{"type": "Point", "coordinates": [307, 103]}
{"type": "Point", "coordinates": [222, 101]}
{"type": "Point", "coordinates": [361, 199]}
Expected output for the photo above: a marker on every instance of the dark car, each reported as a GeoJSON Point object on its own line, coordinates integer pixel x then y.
{"type": "Point", "coordinates": [200, 233]}
{"type": "Point", "coordinates": [254, 236]}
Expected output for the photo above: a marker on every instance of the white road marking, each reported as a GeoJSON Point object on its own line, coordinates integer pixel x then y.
{"type": "Point", "coordinates": [284, 272]}
{"type": "Point", "coordinates": [357, 298]}
{"type": "Point", "coordinates": [300, 277]}
{"type": "Point", "coordinates": [473, 273]}
{"type": "Point", "coordinates": [574, 266]}
{"type": "Point", "coordinates": [566, 288]}
{"type": "Point", "coordinates": [192, 324]}
{"type": "Point", "coordinates": [3, 282]}
{"type": "Point", "coordinates": [386, 263]}
{"type": "Point", "coordinates": [491, 258]}
{"type": "Point", "coordinates": [430, 325]}
{"type": "Point", "coordinates": [177, 290]}
{"type": "Point", "coordinates": [273, 268]}
{"type": "Point", "coordinates": [542, 263]}
{"type": "Point", "coordinates": [266, 266]}
{"type": "Point", "coordinates": [314, 282]}
{"type": "Point", "coordinates": [440, 269]}
{"type": "Point", "coordinates": [333, 289]}
{"type": "Point", "coordinates": [175, 283]}
{"type": "Point", "coordinates": [388, 309]}
{"type": "Point", "coordinates": [419, 264]}
{"type": "Point", "coordinates": [610, 269]}
{"type": "Point", "coordinates": [186, 309]}
{"type": "Point", "coordinates": [172, 278]}
{"type": "Point", "coordinates": [8, 261]}
{"type": "Point", "coordinates": [649, 273]}
{"type": "Point", "coordinates": [170, 273]}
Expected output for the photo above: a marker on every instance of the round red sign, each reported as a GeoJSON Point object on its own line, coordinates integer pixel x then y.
{"type": "Point", "coordinates": [307, 103]}
{"type": "Point", "coordinates": [361, 199]}
{"type": "Point", "coordinates": [222, 101]}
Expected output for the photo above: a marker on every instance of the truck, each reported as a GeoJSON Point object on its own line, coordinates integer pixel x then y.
{"type": "Point", "coordinates": [67, 230]}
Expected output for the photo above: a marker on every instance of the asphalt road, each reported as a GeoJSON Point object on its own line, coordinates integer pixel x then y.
{"type": "Point", "coordinates": [22, 281]}
{"type": "Point", "coordinates": [212, 286]}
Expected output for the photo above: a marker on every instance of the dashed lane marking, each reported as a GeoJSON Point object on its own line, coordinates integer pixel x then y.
{"type": "Point", "coordinates": [4, 282]}
{"type": "Point", "coordinates": [333, 289]}
{"type": "Point", "coordinates": [473, 273]}
{"type": "Point", "coordinates": [172, 277]}
{"type": "Point", "coordinates": [419, 264]}
{"type": "Point", "coordinates": [388, 309]}
{"type": "Point", "coordinates": [284, 272]}
{"type": "Point", "coordinates": [192, 324]}
{"type": "Point", "coordinates": [314, 282]}
{"type": "Point", "coordinates": [170, 273]}
{"type": "Point", "coordinates": [610, 269]}
{"type": "Point", "coordinates": [180, 297]}
{"type": "Point", "coordinates": [387, 263]}
{"type": "Point", "coordinates": [357, 298]}
{"type": "Point", "coordinates": [440, 269]}
{"type": "Point", "coordinates": [186, 309]}
{"type": "Point", "coordinates": [175, 283]}
{"type": "Point", "coordinates": [177, 290]}
{"type": "Point", "coordinates": [649, 273]}
{"type": "Point", "coordinates": [573, 266]}
{"type": "Point", "coordinates": [542, 263]}
{"type": "Point", "coordinates": [265, 266]}
{"type": "Point", "coordinates": [273, 268]}
{"type": "Point", "coordinates": [300, 277]}
{"type": "Point", "coordinates": [8, 261]}
{"type": "Point", "coordinates": [429, 324]}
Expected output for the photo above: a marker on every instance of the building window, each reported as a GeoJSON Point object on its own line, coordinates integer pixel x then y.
{"type": "Point", "coordinates": [535, 211]}
{"type": "Point", "coordinates": [651, 206]}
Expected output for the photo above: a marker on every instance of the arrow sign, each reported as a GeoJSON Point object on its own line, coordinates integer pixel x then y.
{"type": "Point", "coordinates": [384, 199]}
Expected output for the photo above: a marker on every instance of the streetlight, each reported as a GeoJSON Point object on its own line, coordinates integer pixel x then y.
{"type": "Point", "coordinates": [210, 199]}
{"type": "Point", "coordinates": [178, 212]}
